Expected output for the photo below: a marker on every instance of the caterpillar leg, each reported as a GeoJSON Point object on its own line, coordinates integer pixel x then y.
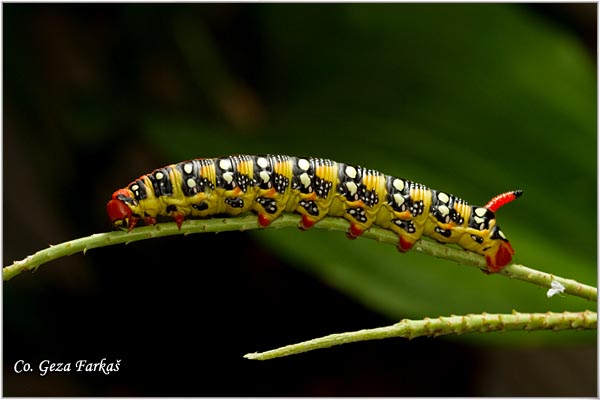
{"type": "Point", "coordinates": [264, 220]}
{"type": "Point", "coordinates": [268, 208]}
{"type": "Point", "coordinates": [307, 222]}
{"type": "Point", "coordinates": [408, 232]}
{"type": "Point", "coordinates": [405, 244]}
{"type": "Point", "coordinates": [360, 217]}
{"type": "Point", "coordinates": [354, 231]}
{"type": "Point", "coordinates": [133, 220]}
{"type": "Point", "coordinates": [313, 209]}
{"type": "Point", "coordinates": [178, 217]}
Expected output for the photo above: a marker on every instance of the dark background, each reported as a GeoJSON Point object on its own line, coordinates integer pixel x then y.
{"type": "Point", "coordinates": [96, 95]}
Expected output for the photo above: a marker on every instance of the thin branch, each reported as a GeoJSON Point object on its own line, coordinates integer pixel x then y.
{"type": "Point", "coordinates": [247, 222]}
{"type": "Point", "coordinates": [443, 326]}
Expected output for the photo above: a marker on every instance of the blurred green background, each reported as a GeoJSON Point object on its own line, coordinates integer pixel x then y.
{"type": "Point", "coordinates": [472, 99]}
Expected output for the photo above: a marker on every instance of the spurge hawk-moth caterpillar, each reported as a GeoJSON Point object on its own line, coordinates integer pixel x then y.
{"type": "Point", "coordinates": [313, 187]}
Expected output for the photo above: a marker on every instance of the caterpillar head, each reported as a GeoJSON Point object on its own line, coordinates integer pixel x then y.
{"type": "Point", "coordinates": [486, 238]}
{"type": "Point", "coordinates": [119, 212]}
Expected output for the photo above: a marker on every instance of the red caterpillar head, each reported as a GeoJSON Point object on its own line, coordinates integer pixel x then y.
{"type": "Point", "coordinates": [486, 238]}
{"type": "Point", "coordinates": [119, 212]}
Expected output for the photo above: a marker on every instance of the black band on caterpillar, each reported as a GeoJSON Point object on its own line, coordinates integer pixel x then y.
{"type": "Point", "coordinates": [314, 188]}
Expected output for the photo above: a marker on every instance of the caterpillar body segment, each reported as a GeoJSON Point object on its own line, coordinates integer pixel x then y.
{"type": "Point", "coordinates": [314, 188]}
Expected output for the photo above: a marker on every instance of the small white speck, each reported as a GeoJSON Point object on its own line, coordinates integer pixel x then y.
{"type": "Point", "coordinates": [262, 162]}
{"type": "Point", "coordinates": [305, 179]}
{"type": "Point", "coordinates": [352, 188]}
{"type": "Point", "coordinates": [398, 199]}
{"type": "Point", "coordinates": [264, 175]}
{"type": "Point", "coordinates": [350, 172]}
{"type": "Point", "coordinates": [303, 164]}
{"type": "Point", "coordinates": [480, 211]}
{"type": "Point", "coordinates": [555, 288]}
{"type": "Point", "coordinates": [398, 184]}
{"type": "Point", "coordinates": [225, 164]}
{"type": "Point", "coordinates": [443, 197]}
{"type": "Point", "coordinates": [444, 210]}
{"type": "Point", "coordinates": [228, 176]}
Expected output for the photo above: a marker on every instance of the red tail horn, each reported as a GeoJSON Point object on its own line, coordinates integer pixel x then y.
{"type": "Point", "coordinates": [494, 204]}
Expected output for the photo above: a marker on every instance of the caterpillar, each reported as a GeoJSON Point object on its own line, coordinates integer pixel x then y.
{"type": "Point", "coordinates": [314, 188]}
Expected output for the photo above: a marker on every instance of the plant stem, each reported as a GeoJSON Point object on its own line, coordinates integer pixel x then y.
{"type": "Point", "coordinates": [247, 222]}
{"type": "Point", "coordinates": [443, 326]}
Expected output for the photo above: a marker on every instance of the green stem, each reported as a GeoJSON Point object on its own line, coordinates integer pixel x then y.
{"type": "Point", "coordinates": [247, 222]}
{"type": "Point", "coordinates": [443, 326]}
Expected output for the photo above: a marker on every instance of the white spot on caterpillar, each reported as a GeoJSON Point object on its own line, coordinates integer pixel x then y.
{"type": "Point", "coordinates": [159, 175]}
{"type": "Point", "coordinates": [191, 182]}
{"type": "Point", "coordinates": [480, 211]}
{"type": "Point", "coordinates": [228, 176]}
{"type": "Point", "coordinates": [305, 179]}
{"type": "Point", "coordinates": [479, 220]}
{"type": "Point", "coordinates": [350, 172]}
{"type": "Point", "coordinates": [225, 164]}
{"type": "Point", "coordinates": [351, 187]}
{"type": "Point", "coordinates": [188, 168]}
{"type": "Point", "coordinates": [262, 162]}
{"type": "Point", "coordinates": [443, 197]}
{"type": "Point", "coordinates": [555, 288]}
{"type": "Point", "coordinates": [398, 199]}
{"type": "Point", "coordinates": [444, 210]}
{"type": "Point", "coordinates": [264, 175]}
{"type": "Point", "coordinates": [134, 188]}
{"type": "Point", "coordinates": [398, 184]}
{"type": "Point", "coordinates": [304, 165]}
{"type": "Point", "coordinates": [501, 234]}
